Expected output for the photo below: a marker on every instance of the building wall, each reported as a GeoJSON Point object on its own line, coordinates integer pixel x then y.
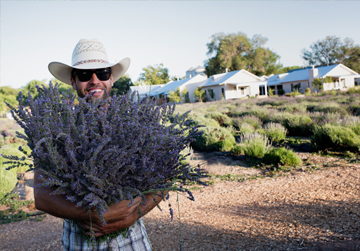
{"type": "Point", "coordinates": [216, 90]}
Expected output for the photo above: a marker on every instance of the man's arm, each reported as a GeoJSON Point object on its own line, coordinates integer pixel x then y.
{"type": "Point", "coordinates": [58, 206]}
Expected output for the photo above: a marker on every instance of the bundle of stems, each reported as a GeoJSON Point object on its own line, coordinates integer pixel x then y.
{"type": "Point", "coordinates": [100, 152]}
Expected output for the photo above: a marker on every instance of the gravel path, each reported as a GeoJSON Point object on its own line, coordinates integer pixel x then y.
{"type": "Point", "coordinates": [309, 210]}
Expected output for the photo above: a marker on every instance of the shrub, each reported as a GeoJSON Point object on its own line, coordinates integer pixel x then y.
{"type": "Point", "coordinates": [246, 128]}
{"type": "Point", "coordinates": [222, 119]}
{"type": "Point", "coordinates": [307, 91]}
{"type": "Point", "coordinates": [225, 145]}
{"type": "Point", "coordinates": [275, 131]}
{"type": "Point", "coordinates": [336, 137]}
{"type": "Point", "coordinates": [210, 137]}
{"type": "Point", "coordinates": [282, 156]}
{"type": "Point", "coordinates": [295, 107]}
{"type": "Point", "coordinates": [249, 119]}
{"type": "Point", "coordinates": [237, 150]}
{"type": "Point", "coordinates": [299, 125]}
{"type": "Point", "coordinates": [8, 179]}
{"type": "Point", "coordinates": [295, 93]}
{"type": "Point", "coordinates": [201, 120]}
{"type": "Point", "coordinates": [296, 124]}
{"type": "Point", "coordinates": [353, 123]}
{"type": "Point", "coordinates": [255, 145]}
{"type": "Point", "coordinates": [330, 107]}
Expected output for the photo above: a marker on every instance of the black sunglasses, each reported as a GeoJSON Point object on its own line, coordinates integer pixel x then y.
{"type": "Point", "coordinates": [85, 75]}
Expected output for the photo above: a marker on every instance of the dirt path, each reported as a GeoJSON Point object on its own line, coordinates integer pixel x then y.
{"type": "Point", "coordinates": [310, 210]}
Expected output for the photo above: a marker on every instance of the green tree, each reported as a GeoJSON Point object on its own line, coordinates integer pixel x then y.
{"type": "Point", "coordinates": [31, 88]}
{"type": "Point", "coordinates": [317, 83]}
{"type": "Point", "coordinates": [236, 51]}
{"type": "Point", "coordinates": [6, 90]}
{"type": "Point", "coordinates": [199, 93]}
{"type": "Point", "coordinates": [185, 95]}
{"type": "Point", "coordinates": [332, 50]}
{"type": "Point", "coordinates": [174, 96]}
{"type": "Point", "coordinates": [288, 68]}
{"type": "Point", "coordinates": [122, 85]}
{"type": "Point", "coordinates": [62, 87]}
{"type": "Point", "coordinates": [8, 95]}
{"type": "Point", "coordinates": [154, 75]}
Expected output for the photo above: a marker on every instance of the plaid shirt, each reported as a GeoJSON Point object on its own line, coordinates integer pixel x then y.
{"type": "Point", "coordinates": [137, 239]}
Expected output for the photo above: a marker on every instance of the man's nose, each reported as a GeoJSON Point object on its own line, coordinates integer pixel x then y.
{"type": "Point", "coordinates": [94, 78]}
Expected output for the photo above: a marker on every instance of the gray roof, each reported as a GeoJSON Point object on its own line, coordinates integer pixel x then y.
{"type": "Point", "coordinates": [299, 75]}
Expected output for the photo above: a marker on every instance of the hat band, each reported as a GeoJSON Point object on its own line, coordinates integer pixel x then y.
{"type": "Point", "coordinates": [91, 61]}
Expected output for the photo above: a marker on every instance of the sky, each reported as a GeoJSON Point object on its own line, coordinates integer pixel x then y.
{"type": "Point", "coordinates": [174, 33]}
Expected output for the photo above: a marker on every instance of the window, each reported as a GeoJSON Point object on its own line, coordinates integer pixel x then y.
{"type": "Point", "coordinates": [223, 92]}
{"type": "Point", "coordinates": [211, 93]}
{"type": "Point", "coordinates": [242, 90]}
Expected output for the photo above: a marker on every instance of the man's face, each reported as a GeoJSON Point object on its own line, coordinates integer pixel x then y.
{"type": "Point", "coordinates": [87, 82]}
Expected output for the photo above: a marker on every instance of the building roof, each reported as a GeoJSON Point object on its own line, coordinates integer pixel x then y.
{"type": "Point", "coordinates": [146, 89]}
{"type": "Point", "coordinates": [302, 74]}
{"type": "Point", "coordinates": [221, 78]}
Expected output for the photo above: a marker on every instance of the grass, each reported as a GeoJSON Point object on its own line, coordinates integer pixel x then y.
{"type": "Point", "coordinates": [15, 213]}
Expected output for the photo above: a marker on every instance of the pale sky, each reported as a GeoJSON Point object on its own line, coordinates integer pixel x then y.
{"type": "Point", "coordinates": [175, 33]}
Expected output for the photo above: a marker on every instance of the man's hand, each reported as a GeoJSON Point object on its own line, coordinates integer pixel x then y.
{"type": "Point", "coordinates": [112, 226]}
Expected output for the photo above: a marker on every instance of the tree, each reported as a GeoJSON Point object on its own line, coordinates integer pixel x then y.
{"type": "Point", "coordinates": [317, 83]}
{"type": "Point", "coordinates": [122, 85]}
{"type": "Point", "coordinates": [185, 95]}
{"type": "Point", "coordinates": [175, 96]}
{"type": "Point", "coordinates": [154, 75]}
{"type": "Point", "coordinates": [288, 68]}
{"type": "Point", "coordinates": [332, 50]}
{"type": "Point", "coordinates": [237, 51]}
{"type": "Point", "coordinates": [31, 88]}
{"type": "Point", "coordinates": [62, 87]}
{"type": "Point", "coordinates": [199, 93]}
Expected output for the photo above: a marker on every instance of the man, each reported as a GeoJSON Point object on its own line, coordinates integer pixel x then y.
{"type": "Point", "coordinates": [91, 73]}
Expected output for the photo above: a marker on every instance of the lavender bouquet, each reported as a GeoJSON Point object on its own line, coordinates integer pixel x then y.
{"type": "Point", "coordinates": [99, 153]}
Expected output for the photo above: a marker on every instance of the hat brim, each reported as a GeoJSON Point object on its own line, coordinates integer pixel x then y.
{"type": "Point", "coordinates": [62, 71]}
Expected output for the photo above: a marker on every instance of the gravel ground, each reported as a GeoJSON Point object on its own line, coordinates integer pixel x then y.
{"type": "Point", "coordinates": [302, 210]}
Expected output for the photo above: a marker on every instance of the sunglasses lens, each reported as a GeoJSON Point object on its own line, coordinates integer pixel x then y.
{"type": "Point", "coordinates": [84, 75]}
{"type": "Point", "coordinates": [102, 74]}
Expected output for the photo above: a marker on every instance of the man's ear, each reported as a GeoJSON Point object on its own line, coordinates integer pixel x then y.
{"type": "Point", "coordinates": [73, 83]}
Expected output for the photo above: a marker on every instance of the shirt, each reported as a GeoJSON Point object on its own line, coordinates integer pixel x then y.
{"type": "Point", "coordinates": [136, 239]}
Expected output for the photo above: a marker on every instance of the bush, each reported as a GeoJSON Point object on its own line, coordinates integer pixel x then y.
{"type": "Point", "coordinates": [225, 145]}
{"type": "Point", "coordinates": [201, 120]}
{"type": "Point", "coordinates": [295, 93]}
{"type": "Point", "coordinates": [237, 150]}
{"type": "Point", "coordinates": [336, 137]}
{"type": "Point", "coordinates": [249, 119]}
{"type": "Point", "coordinates": [292, 108]}
{"type": "Point", "coordinates": [8, 179]}
{"type": "Point", "coordinates": [307, 91]}
{"type": "Point", "coordinates": [275, 131]}
{"type": "Point", "coordinates": [208, 141]}
{"type": "Point", "coordinates": [255, 145]}
{"type": "Point", "coordinates": [246, 128]}
{"type": "Point", "coordinates": [330, 107]}
{"type": "Point", "coordinates": [282, 156]}
{"type": "Point", "coordinates": [296, 124]}
{"type": "Point", "coordinates": [222, 119]}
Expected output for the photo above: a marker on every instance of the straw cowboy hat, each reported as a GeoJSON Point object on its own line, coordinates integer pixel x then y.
{"type": "Point", "coordinates": [88, 54]}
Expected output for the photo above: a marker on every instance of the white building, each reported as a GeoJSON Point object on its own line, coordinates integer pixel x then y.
{"type": "Point", "coordinates": [232, 85]}
{"type": "Point", "coordinates": [190, 84]}
{"type": "Point", "coordinates": [144, 90]}
{"type": "Point", "coordinates": [299, 79]}
{"type": "Point", "coordinates": [192, 72]}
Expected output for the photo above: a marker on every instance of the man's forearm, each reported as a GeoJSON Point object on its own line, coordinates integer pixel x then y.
{"type": "Point", "coordinates": [58, 206]}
